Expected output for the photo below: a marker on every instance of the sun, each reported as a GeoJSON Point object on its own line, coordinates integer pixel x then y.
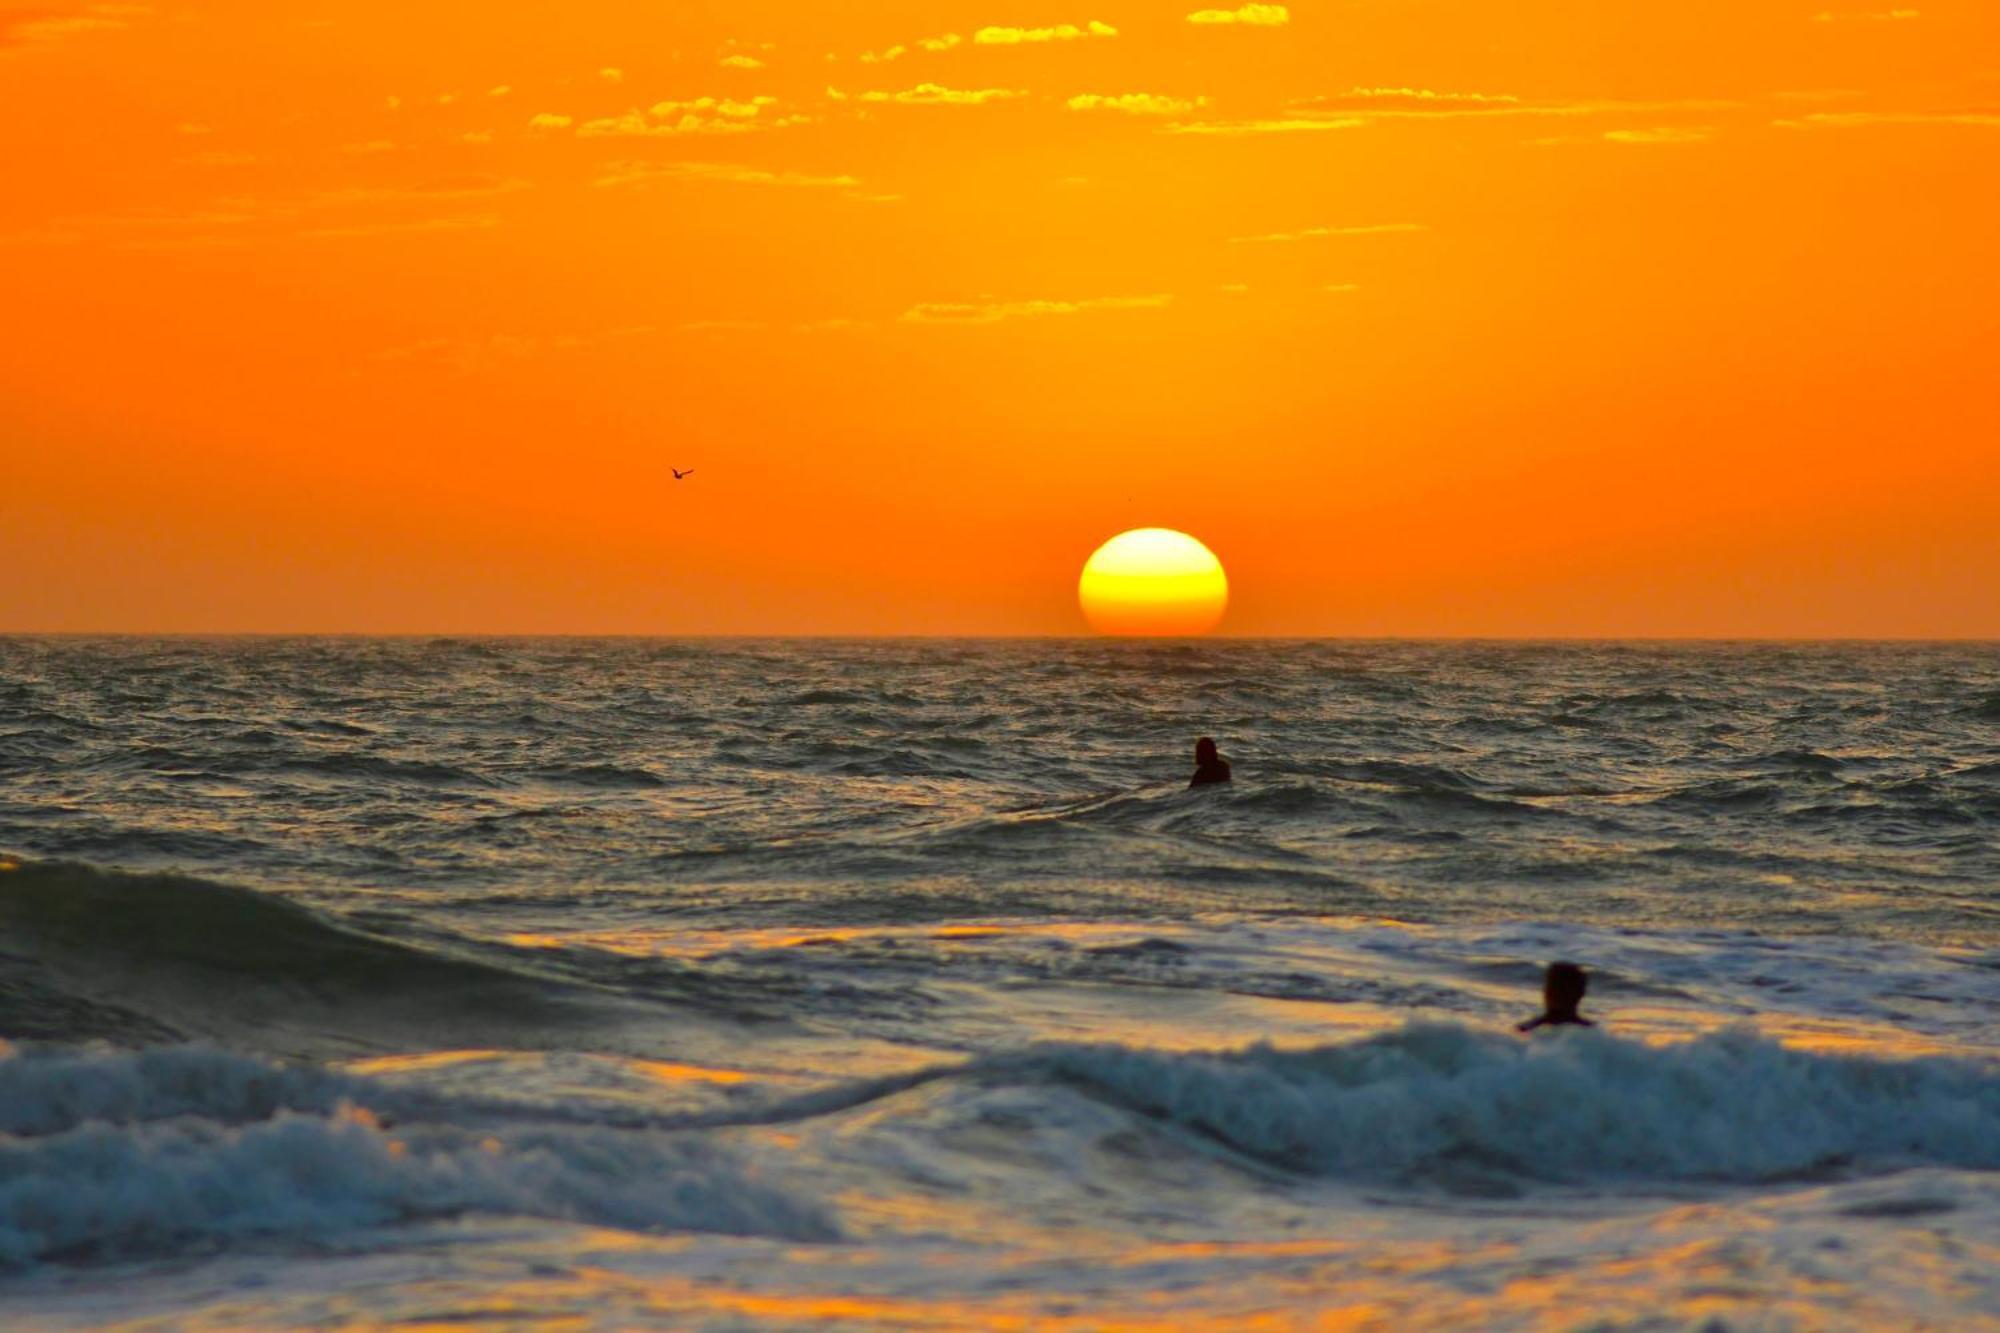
{"type": "Point", "coordinates": [1153, 581]}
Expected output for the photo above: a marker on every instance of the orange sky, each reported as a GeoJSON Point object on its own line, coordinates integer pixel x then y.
{"type": "Point", "coordinates": [1429, 316]}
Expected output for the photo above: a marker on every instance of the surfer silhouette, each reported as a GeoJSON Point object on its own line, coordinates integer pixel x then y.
{"type": "Point", "coordinates": [1209, 766]}
{"type": "Point", "coordinates": [1562, 991]}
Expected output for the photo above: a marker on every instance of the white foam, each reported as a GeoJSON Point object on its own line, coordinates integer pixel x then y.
{"type": "Point", "coordinates": [1571, 1106]}
{"type": "Point", "coordinates": [143, 1154]}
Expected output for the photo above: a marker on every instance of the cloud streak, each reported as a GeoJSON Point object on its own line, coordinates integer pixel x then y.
{"type": "Point", "coordinates": [43, 27]}
{"type": "Point", "coordinates": [1980, 117]}
{"type": "Point", "coordinates": [1061, 32]}
{"type": "Point", "coordinates": [1136, 104]}
{"type": "Point", "coordinates": [933, 94]}
{"type": "Point", "coordinates": [1252, 15]}
{"type": "Point", "coordinates": [1316, 233]}
{"type": "Point", "coordinates": [1276, 125]}
{"type": "Point", "coordinates": [993, 312]}
{"type": "Point", "coordinates": [640, 173]}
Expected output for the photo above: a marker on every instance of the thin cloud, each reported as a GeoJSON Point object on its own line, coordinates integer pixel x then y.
{"type": "Point", "coordinates": [1428, 102]}
{"type": "Point", "coordinates": [1253, 15]}
{"type": "Point", "coordinates": [549, 120]}
{"type": "Point", "coordinates": [640, 173]}
{"type": "Point", "coordinates": [1136, 104]}
{"type": "Point", "coordinates": [1874, 16]}
{"type": "Point", "coordinates": [741, 61]}
{"type": "Point", "coordinates": [41, 27]}
{"type": "Point", "coordinates": [1061, 32]}
{"type": "Point", "coordinates": [1413, 99]}
{"type": "Point", "coordinates": [1983, 117]}
{"type": "Point", "coordinates": [1315, 233]}
{"type": "Point", "coordinates": [1655, 136]}
{"type": "Point", "coordinates": [1660, 135]}
{"type": "Point", "coordinates": [699, 115]}
{"type": "Point", "coordinates": [941, 42]}
{"type": "Point", "coordinates": [932, 94]}
{"type": "Point", "coordinates": [1282, 125]}
{"type": "Point", "coordinates": [1391, 103]}
{"type": "Point", "coordinates": [992, 312]}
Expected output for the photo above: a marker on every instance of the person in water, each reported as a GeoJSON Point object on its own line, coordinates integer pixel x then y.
{"type": "Point", "coordinates": [1209, 766]}
{"type": "Point", "coordinates": [1562, 991]}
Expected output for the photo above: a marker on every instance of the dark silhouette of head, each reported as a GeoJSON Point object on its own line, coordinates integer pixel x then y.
{"type": "Point", "coordinates": [1563, 986]}
{"type": "Point", "coordinates": [1562, 991]}
{"type": "Point", "coordinates": [1204, 750]}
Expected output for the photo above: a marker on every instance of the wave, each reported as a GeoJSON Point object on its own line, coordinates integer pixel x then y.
{"type": "Point", "coordinates": [607, 777]}
{"type": "Point", "coordinates": [1446, 1105]}
{"type": "Point", "coordinates": [120, 1155]}
{"type": "Point", "coordinates": [140, 956]}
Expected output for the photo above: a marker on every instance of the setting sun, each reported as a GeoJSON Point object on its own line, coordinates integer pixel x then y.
{"type": "Point", "coordinates": [1153, 581]}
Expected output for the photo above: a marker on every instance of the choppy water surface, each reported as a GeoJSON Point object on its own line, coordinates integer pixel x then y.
{"type": "Point", "coordinates": [902, 983]}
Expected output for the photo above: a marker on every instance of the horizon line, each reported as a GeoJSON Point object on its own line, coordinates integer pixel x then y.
{"type": "Point", "coordinates": [849, 637]}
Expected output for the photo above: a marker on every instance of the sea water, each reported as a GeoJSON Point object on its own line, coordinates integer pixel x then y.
{"type": "Point", "coordinates": [904, 984]}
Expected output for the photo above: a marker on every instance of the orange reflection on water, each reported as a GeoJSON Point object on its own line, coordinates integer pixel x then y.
{"type": "Point", "coordinates": [685, 1300]}
{"type": "Point", "coordinates": [422, 1060]}
{"type": "Point", "coordinates": [666, 1071]}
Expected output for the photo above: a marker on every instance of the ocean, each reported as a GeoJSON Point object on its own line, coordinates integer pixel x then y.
{"type": "Point", "coordinates": [904, 984]}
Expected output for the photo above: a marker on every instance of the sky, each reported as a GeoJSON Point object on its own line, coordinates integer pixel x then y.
{"type": "Point", "coordinates": [1430, 317]}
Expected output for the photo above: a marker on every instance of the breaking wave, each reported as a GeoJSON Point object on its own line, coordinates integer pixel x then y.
{"type": "Point", "coordinates": [1433, 1102]}
{"type": "Point", "coordinates": [118, 1155]}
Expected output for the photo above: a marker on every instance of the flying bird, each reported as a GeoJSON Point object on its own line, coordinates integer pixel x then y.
{"type": "Point", "coordinates": [679, 475]}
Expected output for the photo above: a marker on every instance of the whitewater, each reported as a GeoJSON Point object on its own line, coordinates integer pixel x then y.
{"type": "Point", "coordinates": [903, 984]}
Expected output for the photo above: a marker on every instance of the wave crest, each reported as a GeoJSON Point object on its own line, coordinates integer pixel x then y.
{"type": "Point", "coordinates": [1431, 1103]}
{"type": "Point", "coordinates": [153, 1154]}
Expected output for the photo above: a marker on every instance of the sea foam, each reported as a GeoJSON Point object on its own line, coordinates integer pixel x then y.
{"type": "Point", "coordinates": [1571, 1106]}
{"type": "Point", "coordinates": [116, 1155]}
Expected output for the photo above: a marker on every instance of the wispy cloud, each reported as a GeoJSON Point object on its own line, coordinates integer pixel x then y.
{"type": "Point", "coordinates": [1423, 101]}
{"type": "Point", "coordinates": [932, 94]}
{"type": "Point", "coordinates": [1136, 104]}
{"type": "Point", "coordinates": [549, 120]}
{"type": "Point", "coordinates": [1391, 103]}
{"type": "Point", "coordinates": [1278, 125]}
{"type": "Point", "coordinates": [992, 312]}
{"type": "Point", "coordinates": [47, 25]}
{"type": "Point", "coordinates": [1868, 16]}
{"type": "Point", "coordinates": [740, 61]}
{"type": "Point", "coordinates": [1981, 117]}
{"type": "Point", "coordinates": [1661, 134]}
{"type": "Point", "coordinates": [1315, 233]}
{"type": "Point", "coordinates": [1252, 15]}
{"type": "Point", "coordinates": [699, 115]}
{"type": "Point", "coordinates": [1653, 136]}
{"type": "Point", "coordinates": [941, 42]}
{"type": "Point", "coordinates": [639, 173]}
{"type": "Point", "coordinates": [1061, 32]}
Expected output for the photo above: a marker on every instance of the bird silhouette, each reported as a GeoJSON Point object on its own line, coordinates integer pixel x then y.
{"type": "Point", "coordinates": [679, 475]}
